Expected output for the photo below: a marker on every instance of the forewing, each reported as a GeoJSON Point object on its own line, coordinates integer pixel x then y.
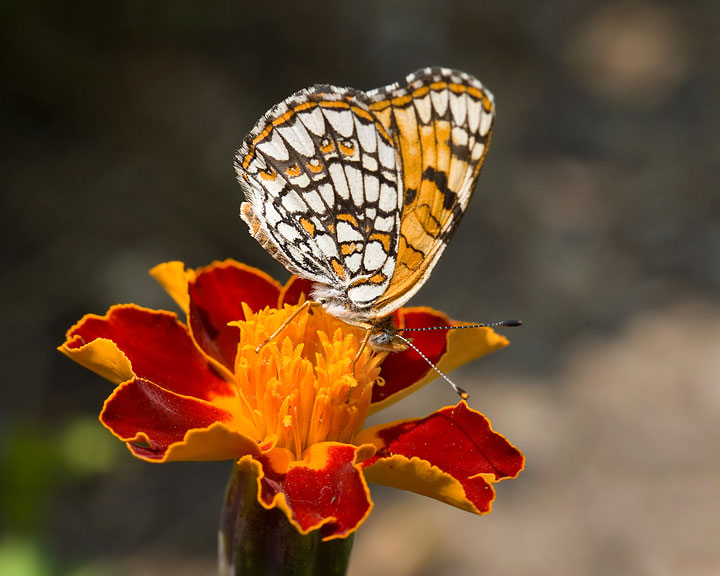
{"type": "Point", "coordinates": [323, 188]}
{"type": "Point", "coordinates": [441, 120]}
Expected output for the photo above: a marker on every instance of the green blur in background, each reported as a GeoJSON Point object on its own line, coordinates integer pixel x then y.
{"type": "Point", "coordinates": [595, 220]}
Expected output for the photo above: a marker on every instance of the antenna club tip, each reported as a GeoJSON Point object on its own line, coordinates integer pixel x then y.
{"type": "Point", "coordinates": [513, 323]}
{"type": "Point", "coordinates": [464, 395]}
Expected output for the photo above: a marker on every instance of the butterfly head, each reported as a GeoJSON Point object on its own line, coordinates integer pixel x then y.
{"type": "Point", "coordinates": [384, 336]}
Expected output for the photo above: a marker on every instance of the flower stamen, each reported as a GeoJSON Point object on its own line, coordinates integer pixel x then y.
{"type": "Point", "coordinates": [309, 385]}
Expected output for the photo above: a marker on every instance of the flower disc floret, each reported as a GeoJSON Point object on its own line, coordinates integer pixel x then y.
{"type": "Point", "coordinates": [304, 386]}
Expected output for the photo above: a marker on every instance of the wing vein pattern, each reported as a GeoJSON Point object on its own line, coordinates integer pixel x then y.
{"type": "Point", "coordinates": [360, 192]}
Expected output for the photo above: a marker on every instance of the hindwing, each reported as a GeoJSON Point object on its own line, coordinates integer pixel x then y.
{"type": "Point", "coordinates": [323, 188]}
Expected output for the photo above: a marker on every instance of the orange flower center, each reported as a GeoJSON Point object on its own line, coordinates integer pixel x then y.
{"type": "Point", "coordinates": [302, 387]}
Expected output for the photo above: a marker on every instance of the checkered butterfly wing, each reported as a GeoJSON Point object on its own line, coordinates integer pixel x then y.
{"type": "Point", "coordinates": [441, 120]}
{"type": "Point", "coordinates": [323, 191]}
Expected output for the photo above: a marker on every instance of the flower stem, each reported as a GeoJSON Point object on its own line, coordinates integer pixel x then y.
{"type": "Point", "coordinates": [256, 541]}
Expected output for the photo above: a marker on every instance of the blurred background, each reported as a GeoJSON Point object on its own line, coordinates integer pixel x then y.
{"type": "Point", "coordinates": [596, 221]}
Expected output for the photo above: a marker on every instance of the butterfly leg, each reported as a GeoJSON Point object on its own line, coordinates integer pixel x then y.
{"type": "Point", "coordinates": [304, 306]}
{"type": "Point", "coordinates": [365, 340]}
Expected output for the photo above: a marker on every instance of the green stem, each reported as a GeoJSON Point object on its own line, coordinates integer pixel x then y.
{"type": "Point", "coordinates": [254, 541]}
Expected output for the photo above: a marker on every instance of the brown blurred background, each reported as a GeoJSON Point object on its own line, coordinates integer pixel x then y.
{"type": "Point", "coordinates": [595, 221]}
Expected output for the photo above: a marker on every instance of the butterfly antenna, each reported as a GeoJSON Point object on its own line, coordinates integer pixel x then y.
{"type": "Point", "coordinates": [462, 393]}
{"type": "Point", "coordinates": [511, 323]}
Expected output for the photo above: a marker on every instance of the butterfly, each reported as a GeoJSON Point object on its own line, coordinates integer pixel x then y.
{"type": "Point", "coordinates": [360, 192]}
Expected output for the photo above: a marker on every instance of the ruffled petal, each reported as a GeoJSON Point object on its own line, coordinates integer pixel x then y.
{"type": "Point", "coordinates": [220, 441]}
{"type": "Point", "coordinates": [217, 294]}
{"type": "Point", "coordinates": [174, 278]}
{"type": "Point", "coordinates": [151, 419]}
{"type": "Point", "coordinates": [405, 372]}
{"type": "Point", "coordinates": [452, 455]}
{"type": "Point", "coordinates": [326, 490]}
{"type": "Point", "coordinates": [150, 344]}
{"type": "Point", "coordinates": [101, 355]}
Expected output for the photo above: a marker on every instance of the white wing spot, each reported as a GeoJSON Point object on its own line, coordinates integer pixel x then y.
{"type": "Point", "coordinates": [389, 266]}
{"type": "Point", "coordinates": [369, 163]}
{"type": "Point", "coordinates": [272, 216]}
{"type": "Point", "coordinates": [326, 191]}
{"type": "Point", "coordinates": [269, 187]}
{"type": "Point", "coordinates": [314, 121]}
{"type": "Point", "coordinates": [355, 181]}
{"type": "Point", "coordinates": [424, 108]}
{"type": "Point", "coordinates": [314, 201]}
{"type": "Point", "coordinates": [301, 180]}
{"type": "Point", "coordinates": [353, 262]}
{"type": "Point", "coordinates": [385, 224]}
{"type": "Point", "coordinates": [440, 101]}
{"type": "Point", "coordinates": [327, 246]}
{"type": "Point", "coordinates": [458, 108]}
{"type": "Point", "coordinates": [297, 136]}
{"type": "Point", "coordinates": [346, 233]}
{"type": "Point", "coordinates": [288, 232]}
{"type": "Point", "coordinates": [477, 151]}
{"type": "Point", "coordinates": [474, 111]}
{"type": "Point", "coordinates": [388, 198]}
{"type": "Point", "coordinates": [367, 134]}
{"type": "Point", "coordinates": [485, 123]}
{"type": "Point", "coordinates": [387, 156]}
{"type": "Point", "coordinates": [341, 121]}
{"type": "Point", "coordinates": [366, 293]}
{"type": "Point", "coordinates": [372, 188]}
{"type": "Point", "coordinates": [459, 136]}
{"type": "Point", "coordinates": [292, 202]}
{"type": "Point", "coordinates": [274, 147]}
{"type": "Point", "coordinates": [374, 255]}
{"type": "Point", "coordinates": [339, 181]}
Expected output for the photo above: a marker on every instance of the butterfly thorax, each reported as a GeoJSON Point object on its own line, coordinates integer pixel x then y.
{"type": "Point", "coordinates": [383, 330]}
{"type": "Point", "coordinates": [336, 301]}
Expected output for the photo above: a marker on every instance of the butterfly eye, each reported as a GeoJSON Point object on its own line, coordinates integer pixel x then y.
{"type": "Point", "coordinates": [382, 338]}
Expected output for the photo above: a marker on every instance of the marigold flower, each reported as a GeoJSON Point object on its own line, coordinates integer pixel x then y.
{"type": "Point", "coordinates": [292, 414]}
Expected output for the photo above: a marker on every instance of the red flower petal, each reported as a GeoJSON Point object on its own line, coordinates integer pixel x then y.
{"type": "Point", "coordinates": [158, 347]}
{"type": "Point", "coordinates": [457, 441]}
{"type": "Point", "coordinates": [325, 490]}
{"type": "Point", "coordinates": [403, 369]}
{"type": "Point", "coordinates": [291, 292]}
{"type": "Point", "coordinates": [216, 298]}
{"type": "Point", "coordinates": [140, 411]}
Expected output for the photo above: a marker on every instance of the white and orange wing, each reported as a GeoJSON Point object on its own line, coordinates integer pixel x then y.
{"type": "Point", "coordinates": [441, 121]}
{"type": "Point", "coordinates": [361, 191]}
{"type": "Point", "coordinates": [323, 190]}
